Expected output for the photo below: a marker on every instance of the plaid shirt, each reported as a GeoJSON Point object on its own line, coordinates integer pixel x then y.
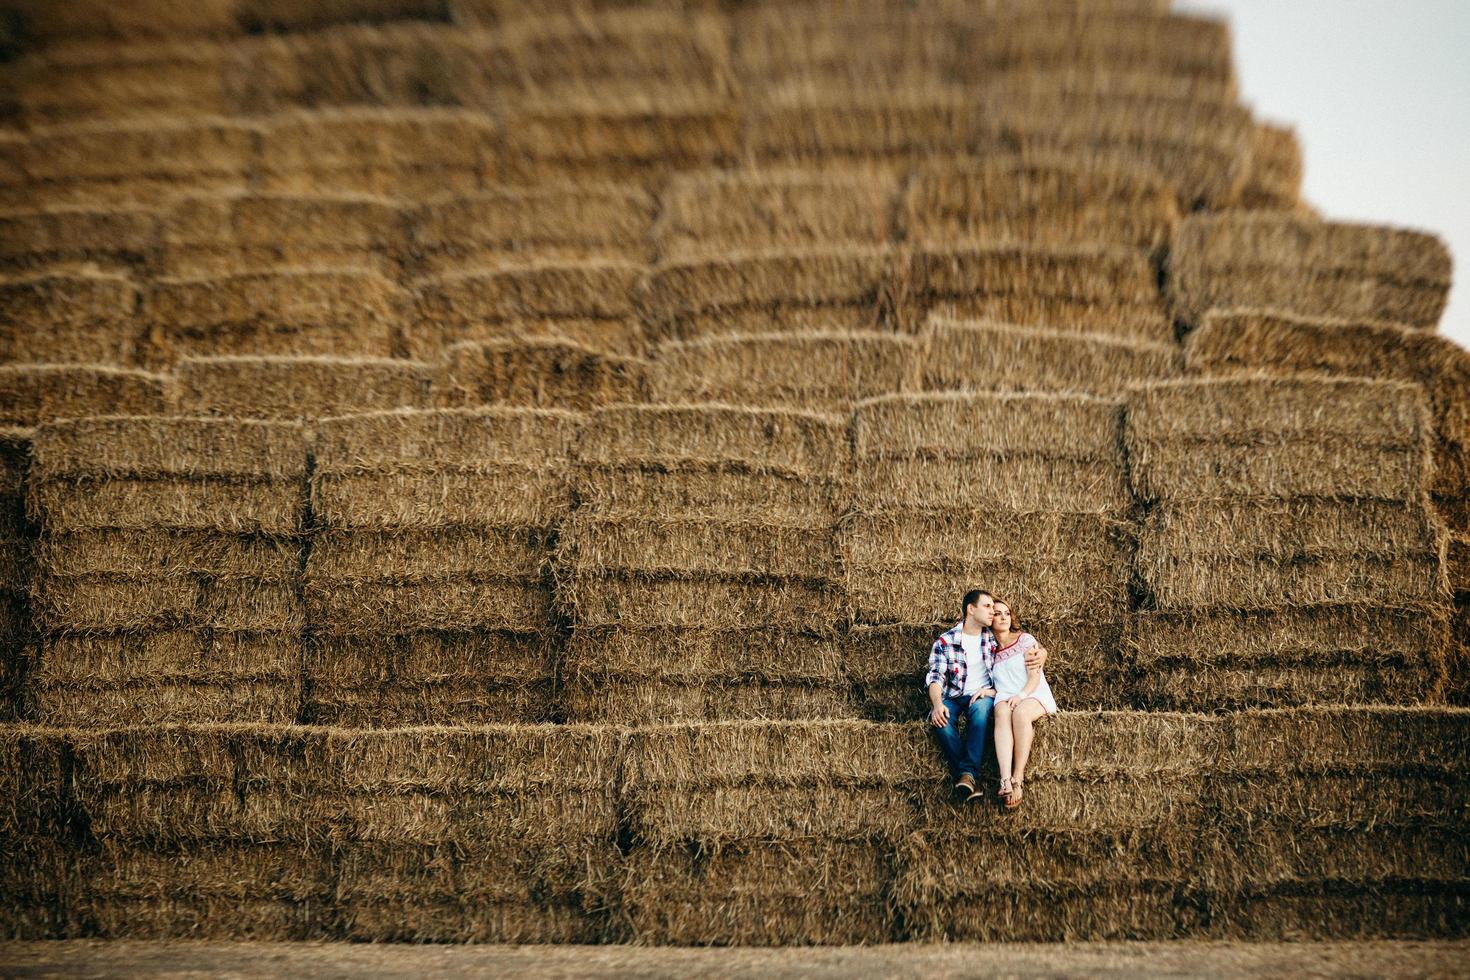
{"type": "Point", "coordinates": [949, 667]}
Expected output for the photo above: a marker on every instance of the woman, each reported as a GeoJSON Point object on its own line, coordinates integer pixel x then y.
{"type": "Point", "coordinates": [1022, 697]}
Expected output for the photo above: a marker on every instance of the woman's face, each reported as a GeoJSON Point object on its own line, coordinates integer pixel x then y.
{"type": "Point", "coordinates": [1002, 621]}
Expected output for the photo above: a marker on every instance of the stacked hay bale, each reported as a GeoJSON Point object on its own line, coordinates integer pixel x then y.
{"type": "Point", "coordinates": [1280, 510]}
{"type": "Point", "coordinates": [427, 593]}
{"type": "Point", "coordinates": [536, 372]}
{"type": "Point", "coordinates": [17, 544]}
{"type": "Point", "coordinates": [818, 372]}
{"type": "Point", "coordinates": [221, 235]}
{"type": "Point", "coordinates": [707, 531]}
{"type": "Point", "coordinates": [1301, 266]}
{"type": "Point", "coordinates": [304, 388]}
{"type": "Point", "coordinates": [306, 311]}
{"type": "Point", "coordinates": [1237, 341]}
{"type": "Point", "coordinates": [788, 291]}
{"type": "Point", "coordinates": [1090, 289]}
{"type": "Point", "coordinates": [168, 570]}
{"type": "Point", "coordinates": [1022, 494]}
{"type": "Point", "coordinates": [1341, 823]}
{"type": "Point", "coordinates": [70, 317]}
{"type": "Point", "coordinates": [31, 394]}
{"type": "Point", "coordinates": [39, 872]}
{"type": "Point", "coordinates": [1275, 181]}
{"type": "Point", "coordinates": [959, 355]}
{"type": "Point", "coordinates": [768, 833]}
{"type": "Point", "coordinates": [100, 239]}
{"type": "Point", "coordinates": [714, 213]}
{"type": "Point", "coordinates": [1104, 849]}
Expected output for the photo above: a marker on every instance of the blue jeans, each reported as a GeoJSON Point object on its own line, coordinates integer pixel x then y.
{"type": "Point", "coordinates": [965, 753]}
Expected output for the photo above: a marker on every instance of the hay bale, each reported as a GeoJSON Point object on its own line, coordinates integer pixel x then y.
{"type": "Point", "coordinates": [729, 490]}
{"type": "Point", "coordinates": [1113, 291]}
{"type": "Point", "coordinates": [589, 52]}
{"type": "Point", "coordinates": [713, 213]}
{"type": "Point", "coordinates": [760, 893]}
{"type": "Point", "coordinates": [32, 394]}
{"type": "Point", "coordinates": [757, 292]}
{"type": "Point", "coordinates": [1308, 268]}
{"type": "Point", "coordinates": [716, 783]}
{"type": "Point", "coordinates": [201, 655]}
{"type": "Point", "coordinates": [232, 234]}
{"type": "Point", "coordinates": [124, 446]}
{"type": "Point", "coordinates": [672, 546]}
{"type": "Point", "coordinates": [572, 223]}
{"type": "Point", "coordinates": [1056, 201]}
{"type": "Point", "coordinates": [228, 505]}
{"type": "Point", "coordinates": [429, 679]}
{"type": "Point", "coordinates": [700, 600]}
{"type": "Point", "coordinates": [297, 387]}
{"type": "Point", "coordinates": [591, 300]}
{"type": "Point", "coordinates": [69, 317]}
{"type": "Point", "coordinates": [1191, 439]}
{"type": "Point", "coordinates": [1302, 912]}
{"type": "Point", "coordinates": [536, 373]}
{"type": "Point", "coordinates": [1275, 180]}
{"type": "Point", "coordinates": [430, 552]}
{"type": "Point", "coordinates": [808, 124]}
{"type": "Point", "coordinates": [39, 874]}
{"type": "Point", "coordinates": [1229, 660]}
{"type": "Point", "coordinates": [139, 601]}
{"type": "Point", "coordinates": [815, 372]}
{"type": "Point", "coordinates": [637, 135]}
{"type": "Point", "coordinates": [1457, 562]}
{"type": "Point", "coordinates": [46, 24]}
{"type": "Point", "coordinates": [167, 552]}
{"type": "Point", "coordinates": [971, 355]}
{"type": "Point", "coordinates": [395, 153]}
{"type": "Point", "coordinates": [71, 238]}
{"type": "Point", "coordinates": [391, 604]}
{"type": "Point", "coordinates": [144, 162]}
{"type": "Point", "coordinates": [170, 701]}
{"type": "Point", "coordinates": [334, 312]}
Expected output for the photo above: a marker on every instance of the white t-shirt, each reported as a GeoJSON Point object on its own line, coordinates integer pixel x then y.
{"type": "Point", "coordinates": [974, 679]}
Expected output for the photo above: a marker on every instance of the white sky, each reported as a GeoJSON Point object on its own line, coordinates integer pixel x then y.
{"type": "Point", "coordinates": [1379, 94]}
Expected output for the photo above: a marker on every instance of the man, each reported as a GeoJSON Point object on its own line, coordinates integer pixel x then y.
{"type": "Point", "coordinates": [959, 683]}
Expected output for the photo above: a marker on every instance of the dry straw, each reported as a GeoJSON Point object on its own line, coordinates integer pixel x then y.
{"type": "Point", "coordinates": [555, 223]}
{"type": "Point", "coordinates": [297, 387]}
{"type": "Point", "coordinates": [411, 154]}
{"type": "Point", "coordinates": [1275, 181]}
{"type": "Point", "coordinates": [816, 372]}
{"type": "Point", "coordinates": [536, 373]}
{"type": "Point", "coordinates": [920, 588]}
{"type": "Point", "coordinates": [984, 356]}
{"type": "Point", "coordinates": [138, 447]}
{"type": "Point", "coordinates": [700, 600]}
{"type": "Point", "coordinates": [1309, 268]}
{"type": "Point", "coordinates": [715, 213]}
{"type": "Point", "coordinates": [231, 234]}
{"type": "Point", "coordinates": [710, 488]}
{"type": "Point", "coordinates": [166, 553]}
{"type": "Point", "coordinates": [69, 317]}
{"type": "Point", "coordinates": [809, 123]}
{"type": "Point", "coordinates": [34, 394]}
{"type": "Point", "coordinates": [1054, 201]}
{"type": "Point", "coordinates": [112, 239]}
{"type": "Point", "coordinates": [139, 162]}
{"type": "Point", "coordinates": [661, 546]}
{"type": "Point", "coordinates": [786, 290]}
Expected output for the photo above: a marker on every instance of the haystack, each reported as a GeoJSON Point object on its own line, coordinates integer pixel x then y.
{"type": "Point", "coordinates": [821, 372]}
{"type": "Point", "coordinates": [236, 234]}
{"type": "Point", "coordinates": [168, 572]}
{"type": "Point", "coordinates": [336, 312]}
{"type": "Point", "coordinates": [588, 302]}
{"type": "Point", "coordinates": [1308, 268]}
{"type": "Point", "coordinates": [976, 355]}
{"type": "Point", "coordinates": [116, 240]}
{"type": "Point", "coordinates": [1275, 180]}
{"type": "Point", "coordinates": [433, 544]}
{"type": "Point", "coordinates": [714, 213]}
{"type": "Point", "coordinates": [142, 162]}
{"type": "Point", "coordinates": [552, 223]}
{"type": "Point", "coordinates": [1109, 291]}
{"type": "Point", "coordinates": [70, 317]}
{"type": "Point", "coordinates": [787, 291]}
{"type": "Point", "coordinates": [407, 154]}
{"type": "Point", "coordinates": [31, 394]}
{"type": "Point", "coordinates": [536, 372]}
{"type": "Point", "coordinates": [302, 388]}
{"type": "Point", "coordinates": [809, 124]}
{"type": "Point", "coordinates": [677, 542]}
{"type": "Point", "coordinates": [1089, 857]}
{"type": "Point", "coordinates": [1051, 201]}
{"type": "Point", "coordinates": [1247, 341]}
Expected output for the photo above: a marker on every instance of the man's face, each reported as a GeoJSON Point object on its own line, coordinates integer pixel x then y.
{"type": "Point", "coordinates": [983, 610]}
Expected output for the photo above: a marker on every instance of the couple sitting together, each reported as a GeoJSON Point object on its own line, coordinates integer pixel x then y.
{"type": "Point", "coordinates": [987, 664]}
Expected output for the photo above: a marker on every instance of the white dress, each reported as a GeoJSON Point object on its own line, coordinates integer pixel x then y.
{"type": "Point", "coordinates": [1010, 674]}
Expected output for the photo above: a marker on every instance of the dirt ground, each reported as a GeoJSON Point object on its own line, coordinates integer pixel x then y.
{"type": "Point", "coordinates": [189, 959]}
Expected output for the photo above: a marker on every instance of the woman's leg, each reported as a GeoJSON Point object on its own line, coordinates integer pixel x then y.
{"type": "Point", "coordinates": [1004, 742]}
{"type": "Point", "coordinates": [1027, 712]}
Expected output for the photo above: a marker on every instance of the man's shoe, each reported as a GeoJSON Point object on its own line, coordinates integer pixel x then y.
{"type": "Point", "coordinates": [965, 784]}
{"type": "Point", "coordinates": [975, 797]}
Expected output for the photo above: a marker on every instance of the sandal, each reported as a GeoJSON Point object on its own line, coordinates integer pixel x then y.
{"type": "Point", "coordinates": [1005, 788]}
{"type": "Point", "coordinates": [1014, 799]}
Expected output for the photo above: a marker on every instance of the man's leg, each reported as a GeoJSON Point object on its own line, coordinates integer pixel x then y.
{"type": "Point", "coordinates": [948, 737]}
{"type": "Point", "coordinates": [977, 736]}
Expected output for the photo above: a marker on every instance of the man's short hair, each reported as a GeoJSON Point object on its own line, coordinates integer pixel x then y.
{"type": "Point", "coordinates": [971, 597]}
